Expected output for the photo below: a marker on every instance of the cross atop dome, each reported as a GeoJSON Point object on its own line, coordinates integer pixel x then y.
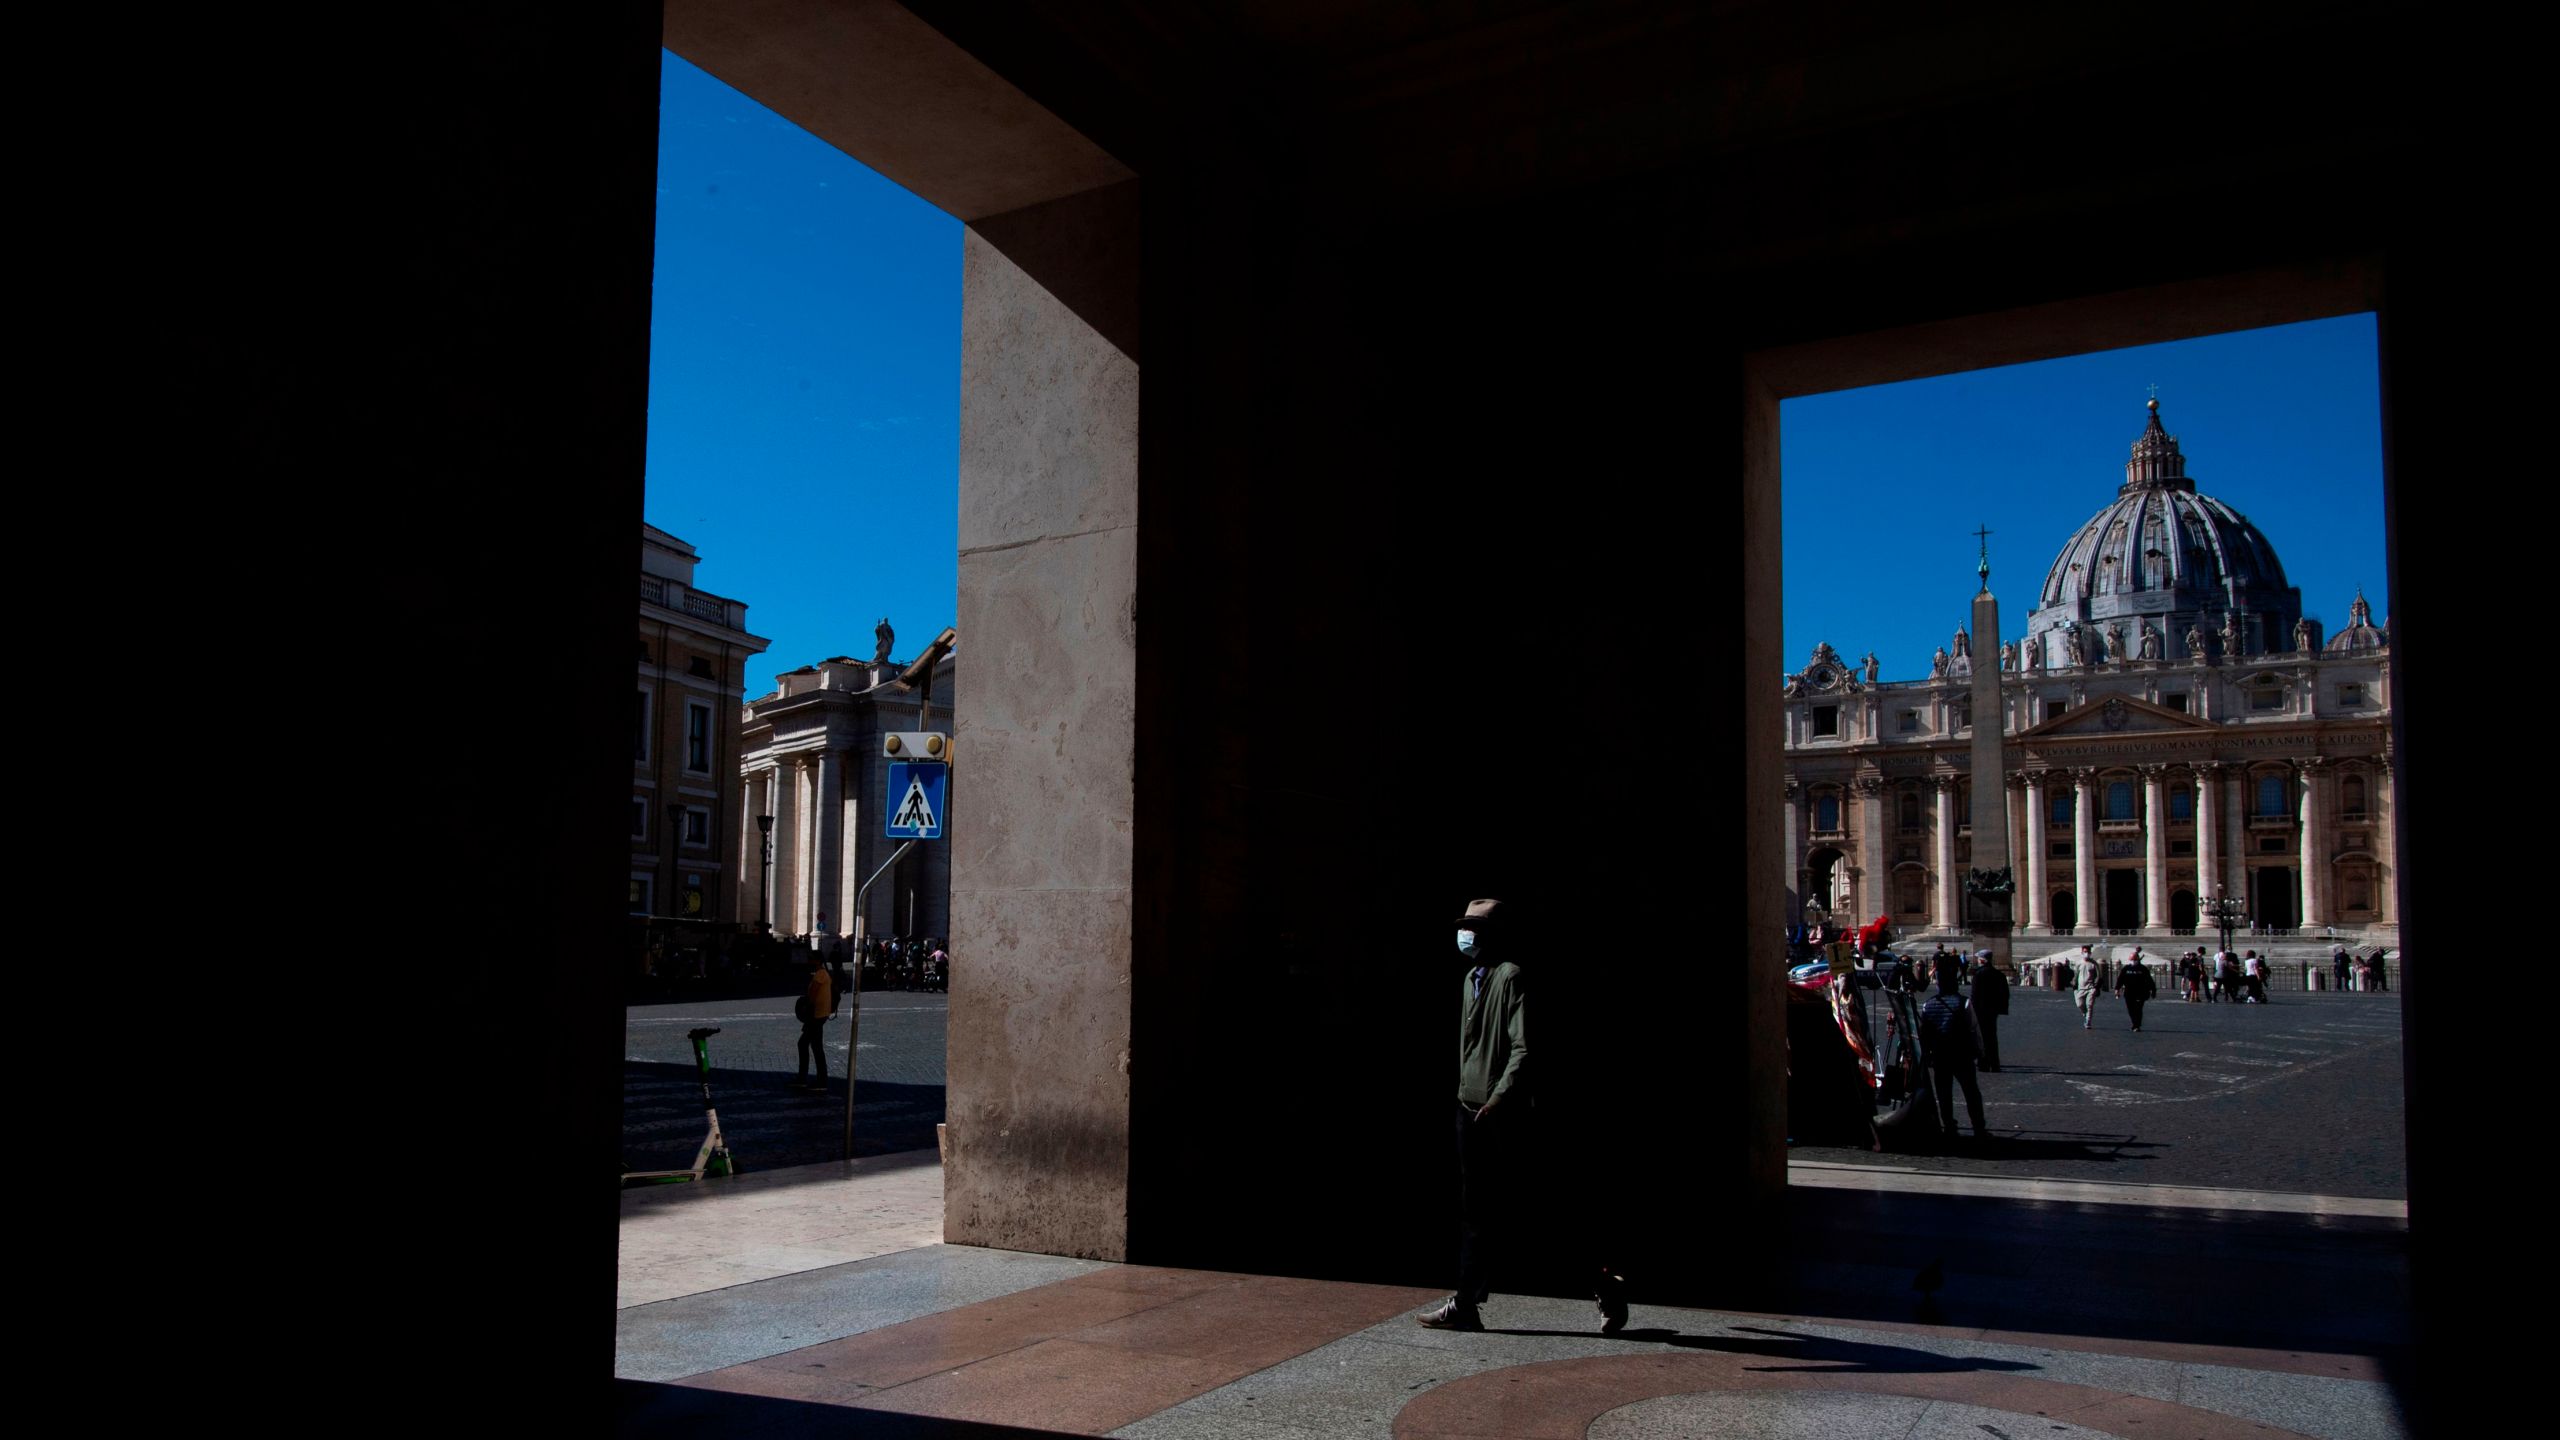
{"type": "Point", "coordinates": [2156, 459]}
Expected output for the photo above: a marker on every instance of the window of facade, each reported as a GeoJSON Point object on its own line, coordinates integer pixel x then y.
{"type": "Point", "coordinates": [697, 738]}
{"type": "Point", "coordinates": [2182, 803]}
{"type": "Point", "coordinates": [2062, 799]}
{"type": "Point", "coordinates": [640, 895]}
{"type": "Point", "coordinates": [2061, 849]}
{"type": "Point", "coordinates": [2177, 702]}
{"type": "Point", "coordinates": [640, 728]}
{"type": "Point", "coordinates": [695, 901]}
{"type": "Point", "coordinates": [2120, 800]}
{"type": "Point", "coordinates": [2182, 847]}
{"type": "Point", "coordinates": [699, 665]}
{"type": "Point", "coordinates": [697, 826]}
{"type": "Point", "coordinates": [1910, 722]}
{"type": "Point", "coordinates": [2266, 698]}
{"type": "Point", "coordinates": [2351, 795]}
{"type": "Point", "coordinates": [639, 817]}
{"type": "Point", "coordinates": [2273, 801]}
{"type": "Point", "coordinates": [1826, 811]}
{"type": "Point", "coordinates": [2351, 694]}
{"type": "Point", "coordinates": [1826, 719]}
{"type": "Point", "coordinates": [2056, 705]}
{"type": "Point", "coordinates": [1912, 890]}
{"type": "Point", "coordinates": [1910, 811]}
{"type": "Point", "coordinates": [2272, 845]}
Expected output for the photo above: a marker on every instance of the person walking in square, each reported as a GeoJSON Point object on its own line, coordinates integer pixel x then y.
{"type": "Point", "coordinates": [1990, 1002]}
{"type": "Point", "coordinates": [2087, 981]}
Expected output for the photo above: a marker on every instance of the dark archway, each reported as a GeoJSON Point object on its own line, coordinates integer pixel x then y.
{"type": "Point", "coordinates": [2122, 890]}
{"type": "Point", "coordinates": [2066, 912]}
{"type": "Point", "coordinates": [2272, 893]}
{"type": "Point", "coordinates": [2182, 911]}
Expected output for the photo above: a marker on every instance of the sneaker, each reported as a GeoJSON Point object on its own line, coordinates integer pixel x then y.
{"type": "Point", "coordinates": [1450, 1316]}
{"type": "Point", "coordinates": [1612, 1297]}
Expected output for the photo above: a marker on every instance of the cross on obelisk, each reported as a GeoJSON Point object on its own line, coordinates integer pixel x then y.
{"type": "Point", "coordinates": [2155, 392]}
{"type": "Point", "coordinates": [1984, 569]}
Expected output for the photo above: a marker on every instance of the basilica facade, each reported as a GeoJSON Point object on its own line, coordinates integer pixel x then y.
{"type": "Point", "coordinates": [2176, 730]}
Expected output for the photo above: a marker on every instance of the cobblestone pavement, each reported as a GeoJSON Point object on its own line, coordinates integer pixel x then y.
{"type": "Point", "coordinates": [754, 1060]}
{"type": "Point", "coordinates": [2301, 1094]}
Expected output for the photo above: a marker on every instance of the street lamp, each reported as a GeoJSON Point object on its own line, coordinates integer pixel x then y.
{"type": "Point", "coordinates": [764, 875]}
{"type": "Point", "coordinates": [2225, 910]}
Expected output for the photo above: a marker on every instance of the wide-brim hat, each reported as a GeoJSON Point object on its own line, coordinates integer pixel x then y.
{"type": "Point", "coordinates": [1482, 913]}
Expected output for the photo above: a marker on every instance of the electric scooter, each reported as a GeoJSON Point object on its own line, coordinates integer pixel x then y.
{"type": "Point", "coordinates": [714, 1157]}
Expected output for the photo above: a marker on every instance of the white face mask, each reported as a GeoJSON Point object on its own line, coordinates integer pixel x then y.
{"type": "Point", "coordinates": [1467, 943]}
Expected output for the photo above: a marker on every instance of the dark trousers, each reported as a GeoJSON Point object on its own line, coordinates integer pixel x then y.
{"type": "Point", "coordinates": [2133, 1006]}
{"type": "Point", "coordinates": [1487, 1159]}
{"type": "Point", "coordinates": [1986, 1028]}
{"type": "Point", "coordinates": [813, 1042]}
{"type": "Point", "coordinates": [1946, 1076]}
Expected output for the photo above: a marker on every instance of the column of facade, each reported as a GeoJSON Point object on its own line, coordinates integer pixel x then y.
{"type": "Point", "coordinates": [2386, 847]}
{"type": "Point", "coordinates": [2208, 846]}
{"type": "Point", "coordinates": [1949, 917]}
{"type": "Point", "coordinates": [2315, 843]}
{"type": "Point", "coordinates": [2235, 857]}
{"type": "Point", "coordinates": [2032, 876]}
{"type": "Point", "coordinates": [1872, 898]}
{"type": "Point", "coordinates": [804, 874]}
{"type": "Point", "coordinates": [2155, 846]}
{"type": "Point", "coordinates": [2084, 848]}
{"type": "Point", "coordinates": [1794, 852]}
{"type": "Point", "coordinates": [826, 853]}
{"type": "Point", "coordinates": [785, 810]}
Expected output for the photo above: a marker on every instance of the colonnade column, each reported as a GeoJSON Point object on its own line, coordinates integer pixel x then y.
{"type": "Point", "coordinates": [2155, 846]}
{"type": "Point", "coordinates": [2315, 842]}
{"type": "Point", "coordinates": [1947, 917]}
{"type": "Point", "coordinates": [1871, 897]}
{"type": "Point", "coordinates": [2084, 848]}
{"type": "Point", "coordinates": [1794, 854]}
{"type": "Point", "coordinates": [826, 854]}
{"type": "Point", "coordinates": [2032, 880]}
{"type": "Point", "coordinates": [2208, 847]}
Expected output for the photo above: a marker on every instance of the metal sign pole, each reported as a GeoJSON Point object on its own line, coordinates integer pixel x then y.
{"type": "Point", "coordinates": [853, 1025]}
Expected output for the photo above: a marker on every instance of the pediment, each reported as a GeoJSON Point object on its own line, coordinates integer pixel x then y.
{"type": "Point", "coordinates": [2117, 715]}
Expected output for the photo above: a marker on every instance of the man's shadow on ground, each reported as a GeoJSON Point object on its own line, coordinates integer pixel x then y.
{"type": "Point", "coordinates": [1811, 1352]}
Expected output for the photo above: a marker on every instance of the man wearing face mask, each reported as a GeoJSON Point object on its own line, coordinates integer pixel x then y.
{"type": "Point", "coordinates": [1492, 1048]}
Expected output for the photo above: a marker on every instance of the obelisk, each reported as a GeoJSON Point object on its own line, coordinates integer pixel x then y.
{"type": "Point", "coordinates": [1989, 886]}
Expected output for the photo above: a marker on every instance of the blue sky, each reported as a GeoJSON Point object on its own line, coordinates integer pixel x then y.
{"type": "Point", "coordinates": [1885, 485]}
{"type": "Point", "coordinates": [804, 395]}
{"type": "Point", "coordinates": [804, 381]}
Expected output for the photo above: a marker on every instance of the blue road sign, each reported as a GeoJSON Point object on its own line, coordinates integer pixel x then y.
{"type": "Point", "coordinates": [919, 791]}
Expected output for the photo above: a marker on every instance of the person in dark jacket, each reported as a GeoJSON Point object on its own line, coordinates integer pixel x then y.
{"type": "Point", "coordinates": [1990, 1002]}
{"type": "Point", "coordinates": [1493, 1051]}
{"type": "Point", "coordinates": [2136, 986]}
{"type": "Point", "coordinates": [1946, 1042]}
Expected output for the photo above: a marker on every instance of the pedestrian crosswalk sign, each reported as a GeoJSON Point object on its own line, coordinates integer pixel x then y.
{"type": "Point", "coordinates": [919, 798]}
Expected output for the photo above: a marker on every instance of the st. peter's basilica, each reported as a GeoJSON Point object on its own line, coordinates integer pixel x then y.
{"type": "Point", "coordinates": [2175, 725]}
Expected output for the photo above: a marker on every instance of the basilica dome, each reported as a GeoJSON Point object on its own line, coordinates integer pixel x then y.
{"type": "Point", "coordinates": [2161, 563]}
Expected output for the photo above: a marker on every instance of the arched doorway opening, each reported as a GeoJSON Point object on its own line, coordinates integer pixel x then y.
{"type": "Point", "coordinates": [2066, 912]}
{"type": "Point", "coordinates": [1826, 883]}
{"type": "Point", "coordinates": [2182, 911]}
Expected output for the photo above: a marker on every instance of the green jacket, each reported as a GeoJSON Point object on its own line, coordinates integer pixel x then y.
{"type": "Point", "coordinates": [1492, 1043]}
